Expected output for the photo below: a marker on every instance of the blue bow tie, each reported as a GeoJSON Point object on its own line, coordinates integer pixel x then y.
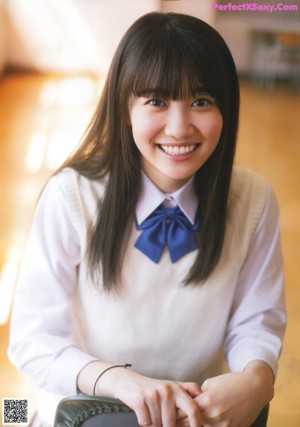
{"type": "Point", "coordinates": [167, 226]}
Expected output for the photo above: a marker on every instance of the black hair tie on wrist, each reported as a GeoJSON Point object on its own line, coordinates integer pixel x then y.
{"type": "Point", "coordinates": [127, 365]}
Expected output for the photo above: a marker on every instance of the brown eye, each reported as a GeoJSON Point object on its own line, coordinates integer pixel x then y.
{"type": "Point", "coordinates": [202, 102]}
{"type": "Point", "coordinates": [156, 103]}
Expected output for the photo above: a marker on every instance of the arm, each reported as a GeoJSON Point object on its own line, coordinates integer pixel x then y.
{"type": "Point", "coordinates": [255, 331]}
{"type": "Point", "coordinates": [258, 317]}
{"type": "Point", "coordinates": [155, 402]}
{"type": "Point", "coordinates": [40, 343]}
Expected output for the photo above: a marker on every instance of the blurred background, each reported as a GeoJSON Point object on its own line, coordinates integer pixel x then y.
{"type": "Point", "coordinates": [54, 55]}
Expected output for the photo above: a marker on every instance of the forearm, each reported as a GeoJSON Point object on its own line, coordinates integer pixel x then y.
{"type": "Point", "coordinates": [261, 377]}
{"type": "Point", "coordinates": [156, 402]}
{"type": "Point", "coordinates": [89, 376]}
{"type": "Point", "coordinates": [53, 362]}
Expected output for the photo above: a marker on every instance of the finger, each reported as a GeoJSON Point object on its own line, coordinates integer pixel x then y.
{"type": "Point", "coordinates": [192, 389]}
{"type": "Point", "coordinates": [168, 408]}
{"type": "Point", "coordinates": [190, 408]}
{"type": "Point", "coordinates": [183, 422]}
{"type": "Point", "coordinates": [194, 417]}
{"type": "Point", "coordinates": [180, 414]}
{"type": "Point", "coordinates": [142, 413]}
{"type": "Point", "coordinates": [154, 408]}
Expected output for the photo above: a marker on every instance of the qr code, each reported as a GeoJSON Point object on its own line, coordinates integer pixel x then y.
{"type": "Point", "coordinates": [15, 411]}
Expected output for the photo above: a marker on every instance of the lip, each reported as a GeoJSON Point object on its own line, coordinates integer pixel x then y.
{"type": "Point", "coordinates": [181, 151]}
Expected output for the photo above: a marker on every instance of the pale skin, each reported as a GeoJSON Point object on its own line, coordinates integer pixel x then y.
{"type": "Point", "coordinates": [175, 138]}
{"type": "Point", "coordinates": [161, 126]}
{"type": "Point", "coordinates": [228, 400]}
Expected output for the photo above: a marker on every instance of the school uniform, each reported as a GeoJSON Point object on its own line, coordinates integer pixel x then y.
{"type": "Point", "coordinates": [61, 321]}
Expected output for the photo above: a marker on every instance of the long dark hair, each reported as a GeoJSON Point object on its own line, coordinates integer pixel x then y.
{"type": "Point", "coordinates": [177, 54]}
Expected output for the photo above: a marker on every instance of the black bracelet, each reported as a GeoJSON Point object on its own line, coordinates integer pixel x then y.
{"type": "Point", "coordinates": [127, 365]}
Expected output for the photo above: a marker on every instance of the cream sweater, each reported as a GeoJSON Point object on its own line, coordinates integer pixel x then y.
{"type": "Point", "coordinates": [61, 321]}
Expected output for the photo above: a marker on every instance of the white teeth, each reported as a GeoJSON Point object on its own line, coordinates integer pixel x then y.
{"type": "Point", "coordinates": [174, 150]}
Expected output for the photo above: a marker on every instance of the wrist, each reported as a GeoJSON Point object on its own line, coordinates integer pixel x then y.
{"type": "Point", "coordinates": [261, 377]}
{"type": "Point", "coordinates": [88, 375]}
{"type": "Point", "coordinates": [91, 374]}
{"type": "Point", "coordinates": [100, 390]}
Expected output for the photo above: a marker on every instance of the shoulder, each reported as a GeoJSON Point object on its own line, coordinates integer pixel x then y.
{"type": "Point", "coordinates": [250, 196]}
{"type": "Point", "coordinates": [75, 194]}
{"type": "Point", "coordinates": [75, 188]}
{"type": "Point", "coordinates": [248, 186]}
{"type": "Point", "coordinates": [243, 178]}
{"type": "Point", "coordinates": [73, 182]}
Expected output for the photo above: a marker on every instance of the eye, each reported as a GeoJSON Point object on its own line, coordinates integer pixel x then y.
{"type": "Point", "coordinates": [203, 102]}
{"type": "Point", "coordinates": [156, 103]}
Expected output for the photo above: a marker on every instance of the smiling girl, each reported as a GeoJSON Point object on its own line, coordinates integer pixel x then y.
{"type": "Point", "coordinates": [149, 247]}
{"type": "Point", "coordinates": [174, 137]}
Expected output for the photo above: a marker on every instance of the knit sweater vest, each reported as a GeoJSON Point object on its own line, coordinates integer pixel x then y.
{"type": "Point", "coordinates": [165, 329]}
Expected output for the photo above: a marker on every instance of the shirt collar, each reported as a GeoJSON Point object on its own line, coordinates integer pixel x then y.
{"type": "Point", "coordinates": [151, 197]}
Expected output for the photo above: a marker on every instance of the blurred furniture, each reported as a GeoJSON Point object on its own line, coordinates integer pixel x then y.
{"type": "Point", "coordinates": [86, 411]}
{"type": "Point", "coordinates": [276, 54]}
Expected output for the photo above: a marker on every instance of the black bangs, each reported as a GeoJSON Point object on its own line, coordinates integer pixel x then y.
{"type": "Point", "coordinates": [175, 83]}
{"type": "Point", "coordinates": [176, 56]}
{"type": "Point", "coordinates": [167, 66]}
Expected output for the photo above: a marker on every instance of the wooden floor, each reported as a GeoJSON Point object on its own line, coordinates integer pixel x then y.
{"type": "Point", "coordinates": [42, 117]}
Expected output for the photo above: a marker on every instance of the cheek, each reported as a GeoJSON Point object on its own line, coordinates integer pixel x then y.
{"type": "Point", "coordinates": [214, 127]}
{"type": "Point", "coordinates": [143, 129]}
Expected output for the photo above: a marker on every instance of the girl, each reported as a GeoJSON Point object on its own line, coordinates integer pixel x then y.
{"type": "Point", "coordinates": [149, 248]}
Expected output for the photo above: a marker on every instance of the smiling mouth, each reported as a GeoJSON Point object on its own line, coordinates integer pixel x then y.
{"type": "Point", "coordinates": [176, 150]}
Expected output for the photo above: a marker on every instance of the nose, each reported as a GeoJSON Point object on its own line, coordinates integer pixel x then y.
{"type": "Point", "coordinates": [179, 124]}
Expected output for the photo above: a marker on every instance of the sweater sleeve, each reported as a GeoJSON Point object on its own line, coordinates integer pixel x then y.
{"type": "Point", "coordinates": [40, 343]}
{"type": "Point", "coordinates": [258, 317]}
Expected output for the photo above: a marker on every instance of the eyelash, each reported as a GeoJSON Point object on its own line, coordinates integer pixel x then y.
{"type": "Point", "coordinates": [156, 102]}
{"type": "Point", "coordinates": [207, 101]}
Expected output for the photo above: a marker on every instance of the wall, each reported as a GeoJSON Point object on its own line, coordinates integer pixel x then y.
{"type": "Point", "coordinates": [200, 8]}
{"type": "Point", "coordinates": [239, 28]}
{"type": "Point", "coordinates": [2, 38]}
{"type": "Point", "coordinates": [68, 35]}
{"type": "Point", "coordinates": [109, 20]}
{"type": "Point", "coordinates": [79, 35]}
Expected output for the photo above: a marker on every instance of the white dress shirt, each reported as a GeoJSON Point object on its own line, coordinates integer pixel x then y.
{"type": "Point", "coordinates": [61, 321]}
{"type": "Point", "coordinates": [151, 197]}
